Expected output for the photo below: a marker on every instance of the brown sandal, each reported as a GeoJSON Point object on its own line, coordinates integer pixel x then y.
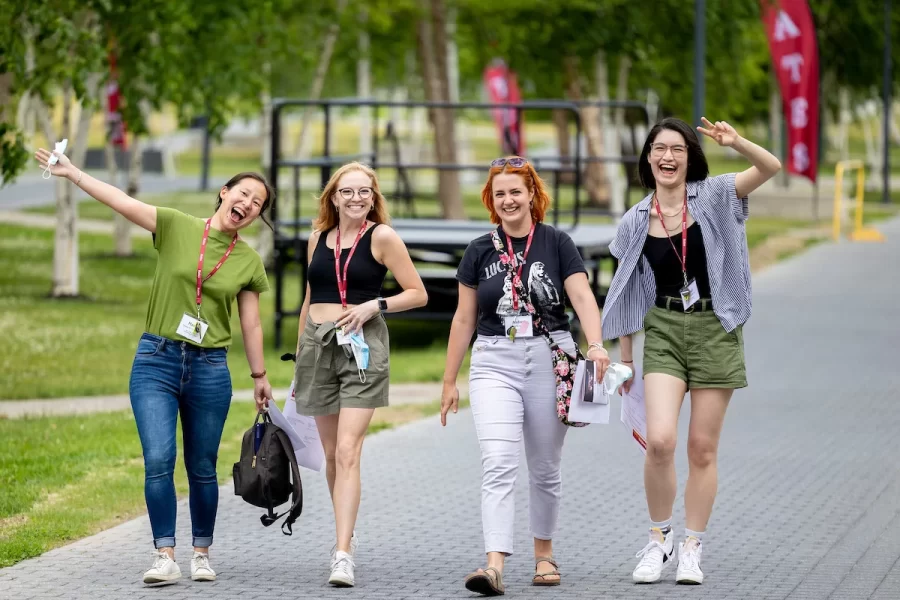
{"type": "Point", "coordinates": [487, 582]}
{"type": "Point", "coordinates": [541, 578]}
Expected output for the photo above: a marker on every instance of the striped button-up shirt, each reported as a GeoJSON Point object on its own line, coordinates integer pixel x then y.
{"type": "Point", "coordinates": [714, 204]}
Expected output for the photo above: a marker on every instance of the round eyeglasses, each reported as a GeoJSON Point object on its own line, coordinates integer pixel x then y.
{"type": "Point", "coordinates": [364, 193]}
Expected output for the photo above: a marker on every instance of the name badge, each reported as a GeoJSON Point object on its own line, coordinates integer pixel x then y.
{"type": "Point", "coordinates": [518, 326]}
{"type": "Point", "coordinates": [192, 328]}
{"type": "Point", "coordinates": [689, 294]}
{"type": "Point", "coordinates": [343, 339]}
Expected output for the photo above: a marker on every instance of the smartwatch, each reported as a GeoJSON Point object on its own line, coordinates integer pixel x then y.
{"type": "Point", "coordinates": [382, 304]}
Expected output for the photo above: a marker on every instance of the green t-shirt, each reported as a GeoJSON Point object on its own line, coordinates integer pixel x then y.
{"type": "Point", "coordinates": [177, 240]}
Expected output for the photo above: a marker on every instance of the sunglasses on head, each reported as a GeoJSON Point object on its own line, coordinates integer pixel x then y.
{"type": "Point", "coordinates": [514, 162]}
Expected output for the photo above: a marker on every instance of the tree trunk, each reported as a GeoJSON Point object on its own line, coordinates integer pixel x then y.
{"type": "Point", "coordinates": [25, 119]}
{"type": "Point", "coordinates": [265, 240]}
{"type": "Point", "coordinates": [775, 131]}
{"type": "Point", "coordinates": [6, 83]}
{"type": "Point", "coordinates": [65, 248]}
{"type": "Point", "coordinates": [432, 41]}
{"type": "Point", "coordinates": [560, 118]}
{"type": "Point", "coordinates": [845, 116]}
{"type": "Point", "coordinates": [120, 228]}
{"type": "Point", "coordinates": [614, 170]}
{"type": "Point", "coordinates": [595, 181]}
{"type": "Point", "coordinates": [364, 85]}
{"type": "Point", "coordinates": [301, 147]}
{"type": "Point", "coordinates": [622, 95]}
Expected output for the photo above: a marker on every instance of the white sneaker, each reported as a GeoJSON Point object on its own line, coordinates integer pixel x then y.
{"type": "Point", "coordinates": [342, 570]}
{"type": "Point", "coordinates": [354, 544]}
{"type": "Point", "coordinates": [654, 558]}
{"type": "Point", "coordinates": [689, 565]}
{"type": "Point", "coordinates": [164, 569]}
{"type": "Point", "coordinates": [200, 569]}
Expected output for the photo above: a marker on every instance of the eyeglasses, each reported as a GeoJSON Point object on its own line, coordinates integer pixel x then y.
{"type": "Point", "coordinates": [515, 162]}
{"type": "Point", "coordinates": [364, 193]}
{"type": "Point", "coordinates": [658, 150]}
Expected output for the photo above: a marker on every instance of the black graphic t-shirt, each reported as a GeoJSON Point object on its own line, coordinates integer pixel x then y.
{"type": "Point", "coordinates": [552, 259]}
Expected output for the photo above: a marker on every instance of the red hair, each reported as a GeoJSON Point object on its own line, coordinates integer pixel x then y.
{"type": "Point", "coordinates": [533, 183]}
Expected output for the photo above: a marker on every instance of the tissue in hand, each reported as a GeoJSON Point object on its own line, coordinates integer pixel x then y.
{"type": "Point", "coordinates": [616, 375]}
{"type": "Point", "coordinates": [60, 148]}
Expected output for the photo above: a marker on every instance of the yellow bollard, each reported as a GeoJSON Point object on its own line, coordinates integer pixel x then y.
{"type": "Point", "coordinates": [859, 233]}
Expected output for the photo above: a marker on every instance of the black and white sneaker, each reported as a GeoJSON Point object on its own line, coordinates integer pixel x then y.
{"type": "Point", "coordinates": [689, 564]}
{"type": "Point", "coordinates": [655, 557]}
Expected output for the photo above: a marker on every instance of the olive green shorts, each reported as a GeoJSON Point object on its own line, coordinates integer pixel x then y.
{"type": "Point", "coordinates": [326, 379]}
{"type": "Point", "coordinates": [695, 348]}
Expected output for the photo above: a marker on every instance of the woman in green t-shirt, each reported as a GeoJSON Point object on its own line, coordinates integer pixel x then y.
{"type": "Point", "coordinates": [180, 366]}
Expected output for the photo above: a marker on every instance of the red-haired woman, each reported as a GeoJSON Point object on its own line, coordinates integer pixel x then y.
{"type": "Point", "coordinates": [512, 385]}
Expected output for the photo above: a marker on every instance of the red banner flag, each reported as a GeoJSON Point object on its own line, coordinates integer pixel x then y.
{"type": "Point", "coordinates": [501, 86]}
{"type": "Point", "coordinates": [115, 126]}
{"type": "Point", "coordinates": [795, 56]}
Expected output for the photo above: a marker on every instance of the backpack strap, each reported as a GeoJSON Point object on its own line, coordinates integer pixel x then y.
{"type": "Point", "coordinates": [297, 506]}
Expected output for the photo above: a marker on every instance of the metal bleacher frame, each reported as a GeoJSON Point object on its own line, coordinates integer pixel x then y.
{"type": "Point", "coordinates": [436, 245]}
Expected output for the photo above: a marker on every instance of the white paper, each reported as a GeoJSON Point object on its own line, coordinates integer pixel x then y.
{"type": "Point", "coordinates": [634, 410]}
{"type": "Point", "coordinates": [588, 412]}
{"type": "Point", "coordinates": [302, 432]}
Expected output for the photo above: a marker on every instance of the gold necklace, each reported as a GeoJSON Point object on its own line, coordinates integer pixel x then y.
{"type": "Point", "coordinates": [656, 199]}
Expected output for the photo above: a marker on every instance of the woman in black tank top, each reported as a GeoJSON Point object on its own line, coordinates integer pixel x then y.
{"type": "Point", "coordinates": [342, 361]}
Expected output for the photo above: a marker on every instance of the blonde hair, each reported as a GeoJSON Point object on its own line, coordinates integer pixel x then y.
{"type": "Point", "coordinates": [327, 218]}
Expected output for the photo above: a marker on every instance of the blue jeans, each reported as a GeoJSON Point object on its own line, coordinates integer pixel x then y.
{"type": "Point", "coordinates": [170, 377]}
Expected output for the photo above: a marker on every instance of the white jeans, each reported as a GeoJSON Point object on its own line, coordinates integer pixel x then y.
{"type": "Point", "coordinates": [512, 390]}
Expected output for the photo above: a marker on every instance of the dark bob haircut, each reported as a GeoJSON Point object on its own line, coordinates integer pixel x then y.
{"type": "Point", "coordinates": [697, 167]}
{"type": "Point", "coordinates": [270, 193]}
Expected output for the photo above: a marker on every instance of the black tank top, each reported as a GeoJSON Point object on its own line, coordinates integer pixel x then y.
{"type": "Point", "coordinates": [667, 267]}
{"type": "Point", "coordinates": [364, 276]}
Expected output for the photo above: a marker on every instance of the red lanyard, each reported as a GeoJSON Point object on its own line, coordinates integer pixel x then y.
{"type": "Point", "coordinates": [342, 281]}
{"type": "Point", "coordinates": [200, 278]}
{"type": "Point", "coordinates": [683, 257]}
{"type": "Point", "coordinates": [512, 257]}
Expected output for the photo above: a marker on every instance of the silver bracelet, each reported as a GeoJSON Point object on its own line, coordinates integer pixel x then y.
{"type": "Point", "coordinates": [80, 173]}
{"type": "Point", "coordinates": [598, 346]}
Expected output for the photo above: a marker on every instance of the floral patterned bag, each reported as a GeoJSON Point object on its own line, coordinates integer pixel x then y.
{"type": "Point", "coordinates": [563, 365]}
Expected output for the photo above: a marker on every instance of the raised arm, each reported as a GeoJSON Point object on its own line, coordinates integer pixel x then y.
{"type": "Point", "coordinates": [140, 213]}
{"type": "Point", "coordinates": [764, 164]}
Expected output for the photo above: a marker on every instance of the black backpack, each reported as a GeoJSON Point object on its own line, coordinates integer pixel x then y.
{"type": "Point", "coordinates": [269, 476]}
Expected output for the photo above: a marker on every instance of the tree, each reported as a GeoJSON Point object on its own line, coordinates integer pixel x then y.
{"type": "Point", "coordinates": [431, 33]}
{"type": "Point", "coordinates": [168, 51]}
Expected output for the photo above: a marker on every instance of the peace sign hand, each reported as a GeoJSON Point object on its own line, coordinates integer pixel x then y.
{"type": "Point", "coordinates": [722, 132]}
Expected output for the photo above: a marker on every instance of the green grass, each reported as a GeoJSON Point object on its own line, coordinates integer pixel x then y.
{"type": "Point", "coordinates": [59, 348]}
{"type": "Point", "coordinates": [64, 478]}
{"type": "Point", "coordinates": [807, 243]}
{"type": "Point", "coordinates": [761, 228]}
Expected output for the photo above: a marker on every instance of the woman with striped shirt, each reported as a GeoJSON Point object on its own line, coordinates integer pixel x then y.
{"type": "Point", "coordinates": [684, 278]}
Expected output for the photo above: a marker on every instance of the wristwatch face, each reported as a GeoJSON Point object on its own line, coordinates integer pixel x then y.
{"type": "Point", "coordinates": [382, 304]}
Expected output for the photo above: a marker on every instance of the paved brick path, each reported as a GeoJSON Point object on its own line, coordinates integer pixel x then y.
{"type": "Point", "coordinates": [809, 502]}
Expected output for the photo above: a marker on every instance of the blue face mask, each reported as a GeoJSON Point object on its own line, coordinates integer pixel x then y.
{"type": "Point", "coordinates": [360, 354]}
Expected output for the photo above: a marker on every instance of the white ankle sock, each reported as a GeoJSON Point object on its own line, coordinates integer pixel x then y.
{"type": "Point", "coordinates": [697, 535]}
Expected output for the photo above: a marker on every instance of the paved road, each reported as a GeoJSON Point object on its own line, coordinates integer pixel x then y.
{"type": "Point", "coordinates": [30, 190]}
{"type": "Point", "coordinates": [400, 394]}
{"type": "Point", "coordinates": [808, 504]}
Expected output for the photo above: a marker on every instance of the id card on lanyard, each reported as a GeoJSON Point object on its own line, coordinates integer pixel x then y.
{"type": "Point", "coordinates": [689, 292]}
{"type": "Point", "coordinates": [518, 324]}
{"type": "Point", "coordinates": [342, 338]}
{"type": "Point", "coordinates": [191, 327]}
